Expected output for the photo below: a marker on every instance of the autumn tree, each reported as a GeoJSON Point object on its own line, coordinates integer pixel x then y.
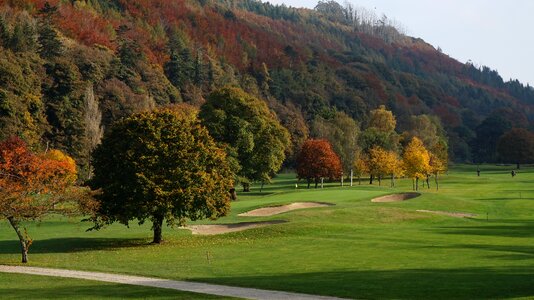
{"type": "Point", "coordinates": [160, 165]}
{"type": "Point", "coordinates": [250, 133]}
{"type": "Point", "coordinates": [382, 119]}
{"type": "Point", "coordinates": [427, 128]}
{"type": "Point", "coordinates": [416, 161]}
{"type": "Point", "coordinates": [317, 160]}
{"type": "Point", "coordinates": [32, 186]}
{"type": "Point", "coordinates": [360, 168]}
{"type": "Point", "coordinates": [439, 160]}
{"type": "Point", "coordinates": [437, 166]}
{"type": "Point", "coordinates": [395, 166]}
{"type": "Point", "coordinates": [379, 133]}
{"type": "Point", "coordinates": [516, 146]}
{"type": "Point", "coordinates": [382, 162]}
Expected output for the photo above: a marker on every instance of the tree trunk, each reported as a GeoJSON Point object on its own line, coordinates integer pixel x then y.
{"type": "Point", "coordinates": [309, 181]}
{"type": "Point", "coordinates": [157, 226]}
{"type": "Point", "coordinates": [371, 179]}
{"type": "Point", "coordinates": [392, 180]}
{"type": "Point", "coordinates": [416, 184]}
{"type": "Point", "coordinates": [316, 182]}
{"type": "Point", "coordinates": [437, 183]}
{"type": "Point", "coordinates": [413, 184]}
{"type": "Point", "coordinates": [379, 180]}
{"type": "Point", "coordinates": [24, 242]}
{"type": "Point", "coordinates": [518, 166]}
{"type": "Point", "coordinates": [427, 181]}
{"type": "Point", "coordinates": [359, 180]}
{"type": "Point", "coordinates": [233, 194]}
{"type": "Point", "coordinates": [246, 187]}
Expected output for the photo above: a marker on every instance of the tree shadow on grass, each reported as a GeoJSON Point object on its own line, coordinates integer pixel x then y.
{"type": "Point", "coordinates": [95, 291]}
{"type": "Point", "coordinates": [506, 198]}
{"type": "Point", "coordinates": [499, 228]}
{"type": "Point", "coordinates": [505, 252]}
{"type": "Point", "coordinates": [464, 283]}
{"type": "Point", "coordinates": [69, 245]}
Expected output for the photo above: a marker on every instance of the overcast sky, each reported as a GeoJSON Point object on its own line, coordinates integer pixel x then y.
{"type": "Point", "coordinates": [495, 33]}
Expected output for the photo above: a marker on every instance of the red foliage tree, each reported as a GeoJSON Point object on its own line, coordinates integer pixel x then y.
{"type": "Point", "coordinates": [32, 185]}
{"type": "Point", "coordinates": [318, 160]}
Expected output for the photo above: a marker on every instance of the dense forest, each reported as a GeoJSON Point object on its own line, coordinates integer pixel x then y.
{"type": "Point", "coordinates": [69, 69]}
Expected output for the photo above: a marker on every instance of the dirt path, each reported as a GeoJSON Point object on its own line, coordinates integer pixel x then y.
{"type": "Point", "coordinates": [274, 210]}
{"type": "Point", "coordinates": [196, 287]}
{"type": "Point", "coordinates": [225, 228]}
{"type": "Point", "coordinates": [396, 197]}
{"type": "Point", "coordinates": [448, 213]}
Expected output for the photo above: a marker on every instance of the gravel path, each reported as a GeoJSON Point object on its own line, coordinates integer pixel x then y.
{"type": "Point", "coordinates": [196, 287]}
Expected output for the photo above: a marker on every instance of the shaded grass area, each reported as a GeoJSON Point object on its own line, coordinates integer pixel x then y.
{"type": "Point", "coordinates": [354, 249]}
{"type": "Point", "coordinates": [18, 286]}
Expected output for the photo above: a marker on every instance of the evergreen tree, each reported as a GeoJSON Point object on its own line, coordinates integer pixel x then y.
{"type": "Point", "coordinates": [50, 46]}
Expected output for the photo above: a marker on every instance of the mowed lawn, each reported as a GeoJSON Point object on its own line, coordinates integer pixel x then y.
{"type": "Point", "coordinates": [355, 249]}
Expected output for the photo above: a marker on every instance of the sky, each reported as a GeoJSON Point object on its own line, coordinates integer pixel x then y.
{"type": "Point", "coordinates": [494, 33]}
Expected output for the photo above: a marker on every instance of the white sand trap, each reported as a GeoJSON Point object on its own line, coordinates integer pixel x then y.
{"type": "Point", "coordinates": [448, 213]}
{"type": "Point", "coordinates": [274, 210]}
{"type": "Point", "coordinates": [396, 197]}
{"type": "Point", "coordinates": [226, 228]}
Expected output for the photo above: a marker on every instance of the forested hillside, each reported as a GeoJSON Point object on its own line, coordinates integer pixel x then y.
{"type": "Point", "coordinates": [68, 69]}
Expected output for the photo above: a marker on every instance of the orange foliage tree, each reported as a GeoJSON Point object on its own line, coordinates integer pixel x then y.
{"type": "Point", "coordinates": [32, 185]}
{"type": "Point", "coordinates": [318, 160]}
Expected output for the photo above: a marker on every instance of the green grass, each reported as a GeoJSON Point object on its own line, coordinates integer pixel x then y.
{"type": "Point", "coordinates": [17, 286]}
{"type": "Point", "coordinates": [355, 249]}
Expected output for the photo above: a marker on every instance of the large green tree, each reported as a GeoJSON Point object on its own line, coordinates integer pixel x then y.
{"type": "Point", "coordinates": [342, 133]}
{"type": "Point", "coordinates": [250, 132]}
{"type": "Point", "coordinates": [160, 165]}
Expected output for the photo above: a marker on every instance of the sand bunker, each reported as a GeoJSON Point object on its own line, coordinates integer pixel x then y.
{"type": "Point", "coordinates": [226, 228]}
{"type": "Point", "coordinates": [274, 210]}
{"type": "Point", "coordinates": [448, 213]}
{"type": "Point", "coordinates": [396, 197]}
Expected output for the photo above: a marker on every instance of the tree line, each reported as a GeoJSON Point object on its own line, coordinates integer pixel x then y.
{"type": "Point", "coordinates": [378, 151]}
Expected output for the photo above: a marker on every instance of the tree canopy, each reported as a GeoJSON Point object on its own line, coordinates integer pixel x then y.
{"type": "Point", "coordinates": [32, 185]}
{"type": "Point", "coordinates": [249, 131]}
{"type": "Point", "coordinates": [342, 132]}
{"type": "Point", "coordinates": [160, 165]}
{"type": "Point", "coordinates": [516, 146]}
{"type": "Point", "coordinates": [416, 161]}
{"type": "Point", "coordinates": [318, 160]}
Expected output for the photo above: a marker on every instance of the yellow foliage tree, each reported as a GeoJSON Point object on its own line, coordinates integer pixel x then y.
{"type": "Point", "coordinates": [360, 168]}
{"type": "Point", "coordinates": [395, 166]}
{"type": "Point", "coordinates": [382, 119]}
{"type": "Point", "coordinates": [416, 161]}
{"type": "Point", "coordinates": [437, 166]}
{"type": "Point", "coordinates": [382, 162]}
{"type": "Point", "coordinates": [377, 163]}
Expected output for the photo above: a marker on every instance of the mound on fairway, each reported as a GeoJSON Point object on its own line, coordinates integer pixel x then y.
{"type": "Point", "coordinates": [274, 210]}
{"type": "Point", "coordinates": [448, 213]}
{"type": "Point", "coordinates": [396, 197]}
{"type": "Point", "coordinates": [226, 228]}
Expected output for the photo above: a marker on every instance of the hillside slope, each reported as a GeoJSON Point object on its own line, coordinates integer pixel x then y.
{"type": "Point", "coordinates": [131, 55]}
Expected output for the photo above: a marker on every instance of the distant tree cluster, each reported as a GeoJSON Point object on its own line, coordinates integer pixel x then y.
{"type": "Point", "coordinates": [418, 153]}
